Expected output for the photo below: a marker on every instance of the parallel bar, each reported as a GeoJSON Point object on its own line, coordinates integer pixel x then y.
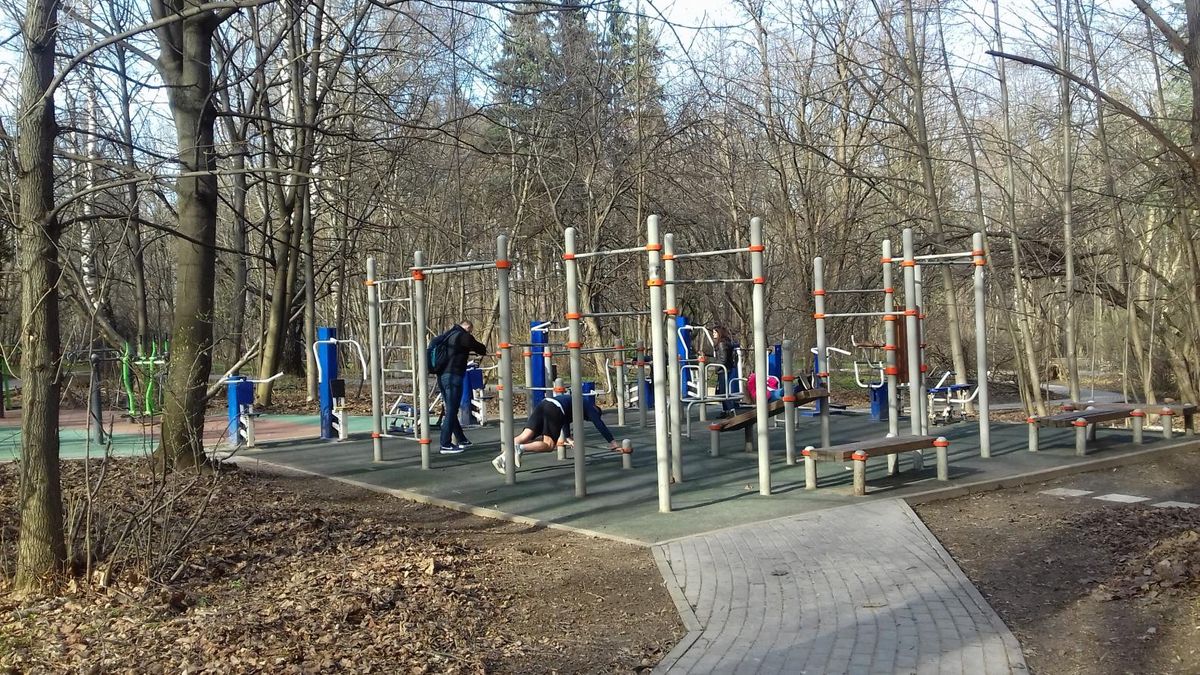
{"type": "Point", "coordinates": [375, 345]}
{"type": "Point", "coordinates": [631, 312]}
{"type": "Point", "coordinates": [940, 256]}
{"type": "Point", "coordinates": [674, 376]}
{"type": "Point", "coordinates": [842, 314]}
{"type": "Point", "coordinates": [504, 327]}
{"type": "Point", "coordinates": [661, 442]}
{"type": "Point", "coordinates": [614, 251]}
{"type": "Point", "coordinates": [709, 254]}
{"type": "Point", "coordinates": [455, 265]}
{"type": "Point", "coordinates": [836, 291]}
{"type": "Point", "coordinates": [759, 303]}
{"type": "Point", "coordinates": [477, 267]}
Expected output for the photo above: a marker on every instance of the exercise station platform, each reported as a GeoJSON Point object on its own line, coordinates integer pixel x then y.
{"type": "Point", "coordinates": [716, 492]}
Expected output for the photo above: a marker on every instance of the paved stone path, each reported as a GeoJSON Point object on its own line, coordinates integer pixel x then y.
{"type": "Point", "coordinates": [859, 589]}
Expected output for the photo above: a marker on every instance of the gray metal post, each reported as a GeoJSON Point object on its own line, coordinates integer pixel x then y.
{"type": "Point", "coordinates": [662, 443]}
{"type": "Point", "coordinates": [810, 469]}
{"type": "Point", "coordinates": [1166, 417]}
{"type": "Point", "coordinates": [527, 355]}
{"type": "Point", "coordinates": [981, 355]}
{"type": "Point", "coordinates": [574, 344]}
{"type": "Point", "coordinates": [641, 383]}
{"type": "Point", "coordinates": [714, 440]}
{"type": "Point", "coordinates": [420, 329]}
{"type": "Point", "coordinates": [890, 347]}
{"type": "Point", "coordinates": [375, 346]}
{"type": "Point", "coordinates": [626, 454]}
{"type": "Point", "coordinates": [1139, 418]}
{"type": "Point", "coordinates": [919, 296]}
{"type": "Point", "coordinates": [95, 406]}
{"type": "Point", "coordinates": [759, 300]}
{"type": "Point", "coordinates": [673, 375]}
{"type": "Point", "coordinates": [916, 393]}
{"type": "Point", "coordinates": [1034, 436]}
{"type": "Point", "coordinates": [822, 373]}
{"type": "Point", "coordinates": [789, 403]}
{"type": "Point", "coordinates": [1080, 425]}
{"type": "Point", "coordinates": [622, 395]}
{"type": "Point", "coordinates": [503, 329]}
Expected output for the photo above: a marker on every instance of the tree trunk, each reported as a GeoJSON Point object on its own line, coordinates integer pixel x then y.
{"type": "Point", "coordinates": [185, 61]}
{"type": "Point", "coordinates": [40, 548]}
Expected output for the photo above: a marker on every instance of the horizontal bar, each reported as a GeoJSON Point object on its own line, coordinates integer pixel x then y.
{"type": "Point", "coordinates": [936, 256]}
{"type": "Point", "coordinates": [709, 254]}
{"type": "Point", "coordinates": [479, 267]}
{"type": "Point", "coordinates": [396, 280]}
{"type": "Point", "coordinates": [709, 281]}
{"type": "Point", "coordinates": [454, 265]}
{"type": "Point", "coordinates": [395, 323]}
{"type": "Point", "coordinates": [948, 262]}
{"type": "Point", "coordinates": [831, 291]}
{"type": "Point", "coordinates": [387, 301]}
{"type": "Point", "coordinates": [632, 312]}
{"type": "Point", "coordinates": [826, 316]}
{"type": "Point", "coordinates": [612, 251]}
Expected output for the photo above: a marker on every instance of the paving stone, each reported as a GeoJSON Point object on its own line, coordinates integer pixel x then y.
{"type": "Point", "coordinates": [1121, 499]}
{"type": "Point", "coordinates": [860, 589]}
{"type": "Point", "coordinates": [1175, 505]}
{"type": "Point", "coordinates": [1065, 492]}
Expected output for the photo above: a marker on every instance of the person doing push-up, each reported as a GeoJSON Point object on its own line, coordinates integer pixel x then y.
{"type": "Point", "coordinates": [550, 419]}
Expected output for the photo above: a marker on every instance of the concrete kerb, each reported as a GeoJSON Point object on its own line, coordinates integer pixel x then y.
{"type": "Point", "coordinates": [470, 509]}
{"type": "Point", "coordinates": [690, 623]}
{"type": "Point", "coordinates": [1043, 475]}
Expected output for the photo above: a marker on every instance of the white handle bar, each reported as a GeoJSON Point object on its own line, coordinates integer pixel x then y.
{"type": "Point", "coordinates": [335, 342]}
{"type": "Point", "coordinates": [239, 378]}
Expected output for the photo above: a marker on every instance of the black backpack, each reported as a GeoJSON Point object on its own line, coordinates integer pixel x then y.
{"type": "Point", "coordinates": [437, 355]}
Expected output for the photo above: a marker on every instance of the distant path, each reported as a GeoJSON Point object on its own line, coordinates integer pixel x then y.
{"type": "Point", "coordinates": [859, 589]}
{"type": "Point", "coordinates": [1063, 391]}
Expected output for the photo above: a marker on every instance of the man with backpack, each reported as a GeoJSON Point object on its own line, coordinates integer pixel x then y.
{"type": "Point", "coordinates": [448, 355]}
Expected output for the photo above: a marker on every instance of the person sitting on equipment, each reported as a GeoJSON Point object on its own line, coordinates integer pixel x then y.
{"type": "Point", "coordinates": [724, 354]}
{"type": "Point", "coordinates": [548, 421]}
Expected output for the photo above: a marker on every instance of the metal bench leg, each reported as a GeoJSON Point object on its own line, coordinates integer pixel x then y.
{"type": "Point", "coordinates": [1092, 432]}
{"type": "Point", "coordinates": [1080, 425]}
{"type": "Point", "coordinates": [943, 458]}
{"type": "Point", "coordinates": [714, 440]}
{"type": "Point", "coordinates": [810, 470]}
{"type": "Point", "coordinates": [893, 464]}
{"type": "Point", "coordinates": [749, 436]}
{"type": "Point", "coordinates": [860, 473]}
{"type": "Point", "coordinates": [918, 460]}
{"type": "Point", "coordinates": [1139, 419]}
{"type": "Point", "coordinates": [1034, 444]}
{"type": "Point", "coordinates": [1189, 424]}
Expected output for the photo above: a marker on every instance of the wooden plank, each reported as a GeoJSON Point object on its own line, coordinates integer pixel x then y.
{"type": "Point", "coordinates": [873, 447]}
{"type": "Point", "coordinates": [1094, 416]}
{"type": "Point", "coordinates": [743, 420]}
{"type": "Point", "coordinates": [1151, 408]}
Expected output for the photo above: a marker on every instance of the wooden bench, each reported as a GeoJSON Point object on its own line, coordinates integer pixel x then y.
{"type": "Point", "coordinates": [1085, 421]}
{"type": "Point", "coordinates": [747, 420]}
{"type": "Point", "coordinates": [860, 451]}
{"type": "Point", "coordinates": [1188, 410]}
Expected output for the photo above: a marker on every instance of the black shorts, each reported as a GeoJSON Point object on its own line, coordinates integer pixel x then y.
{"type": "Point", "coordinates": [547, 420]}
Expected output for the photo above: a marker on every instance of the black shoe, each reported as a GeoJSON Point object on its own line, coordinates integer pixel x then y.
{"type": "Point", "coordinates": [465, 444]}
{"type": "Point", "coordinates": [452, 449]}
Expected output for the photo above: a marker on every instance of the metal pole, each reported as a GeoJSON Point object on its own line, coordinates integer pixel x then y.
{"type": "Point", "coordinates": [759, 301]}
{"type": "Point", "coordinates": [981, 355]}
{"type": "Point", "coordinates": [890, 347]}
{"type": "Point", "coordinates": [574, 343]}
{"type": "Point", "coordinates": [95, 407]}
{"type": "Point", "coordinates": [504, 327]}
{"type": "Point", "coordinates": [822, 373]}
{"type": "Point", "coordinates": [673, 374]}
{"type": "Point", "coordinates": [658, 345]}
{"type": "Point", "coordinates": [641, 383]}
{"type": "Point", "coordinates": [789, 403]}
{"type": "Point", "coordinates": [375, 346]}
{"type": "Point", "coordinates": [920, 302]}
{"type": "Point", "coordinates": [916, 393]}
{"type": "Point", "coordinates": [622, 395]}
{"type": "Point", "coordinates": [419, 330]}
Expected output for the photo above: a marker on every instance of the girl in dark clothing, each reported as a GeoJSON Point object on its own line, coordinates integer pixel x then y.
{"type": "Point", "coordinates": [725, 354]}
{"type": "Point", "coordinates": [549, 420]}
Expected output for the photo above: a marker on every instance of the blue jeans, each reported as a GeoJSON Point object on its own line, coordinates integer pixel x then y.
{"type": "Point", "coordinates": [722, 389]}
{"type": "Point", "coordinates": [451, 386]}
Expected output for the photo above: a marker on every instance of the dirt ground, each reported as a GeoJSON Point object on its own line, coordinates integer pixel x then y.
{"type": "Point", "coordinates": [298, 574]}
{"type": "Point", "coordinates": [1089, 586]}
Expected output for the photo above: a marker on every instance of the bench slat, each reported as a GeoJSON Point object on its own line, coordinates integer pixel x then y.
{"type": "Point", "coordinates": [873, 447]}
{"type": "Point", "coordinates": [1094, 416]}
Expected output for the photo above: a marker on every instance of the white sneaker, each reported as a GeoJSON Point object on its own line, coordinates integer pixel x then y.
{"type": "Point", "coordinates": [498, 463]}
{"type": "Point", "coordinates": [517, 452]}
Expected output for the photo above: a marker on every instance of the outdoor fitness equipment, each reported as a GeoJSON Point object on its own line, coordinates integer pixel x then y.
{"type": "Point", "coordinates": [331, 389]}
{"type": "Point", "coordinates": [240, 395]}
{"type": "Point", "coordinates": [150, 368]}
{"type": "Point", "coordinates": [417, 368]}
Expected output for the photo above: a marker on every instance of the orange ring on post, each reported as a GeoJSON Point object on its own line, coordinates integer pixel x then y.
{"type": "Point", "coordinates": [654, 282]}
{"type": "Point", "coordinates": [818, 315]}
{"type": "Point", "coordinates": [418, 275]}
{"type": "Point", "coordinates": [908, 263]}
{"type": "Point", "coordinates": [760, 280]}
{"type": "Point", "coordinates": [572, 315]}
{"type": "Point", "coordinates": [981, 262]}
{"type": "Point", "coordinates": [1031, 420]}
{"type": "Point", "coordinates": [941, 443]}
{"type": "Point", "coordinates": [885, 261]}
{"type": "Point", "coordinates": [424, 441]}
{"type": "Point", "coordinates": [668, 256]}
{"type": "Point", "coordinates": [977, 252]}
{"type": "Point", "coordinates": [375, 435]}
{"type": "Point", "coordinates": [1079, 423]}
{"type": "Point", "coordinates": [568, 256]}
{"type": "Point", "coordinates": [503, 264]}
{"type": "Point", "coordinates": [859, 456]}
{"type": "Point", "coordinates": [504, 345]}
{"type": "Point", "coordinates": [819, 291]}
{"type": "Point", "coordinates": [891, 370]}
{"type": "Point", "coordinates": [889, 289]}
{"type": "Point", "coordinates": [653, 247]}
{"type": "Point", "coordinates": [889, 348]}
{"type": "Point", "coordinates": [788, 378]}
{"type": "Point", "coordinates": [789, 399]}
{"type": "Point", "coordinates": [889, 317]}
{"type": "Point", "coordinates": [806, 452]}
{"type": "Point", "coordinates": [574, 345]}
{"type": "Point", "coordinates": [368, 282]}
{"type": "Point", "coordinates": [910, 312]}
{"type": "Point", "coordinates": [924, 368]}
{"type": "Point", "coordinates": [1137, 413]}
{"type": "Point", "coordinates": [714, 427]}
{"type": "Point", "coordinates": [671, 311]}
{"type": "Point", "coordinates": [756, 248]}
{"type": "Point", "coordinates": [499, 387]}
{"type": "Point", "coordinates": [526, 353]}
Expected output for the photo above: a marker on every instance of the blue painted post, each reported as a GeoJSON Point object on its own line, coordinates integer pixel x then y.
{"type": "Point", "coordinates": [240, 393]}
{"type": "Point", "coordinates": [538, 338]}
{"type": "Point", "coordinates": [683, 341]}
{"type": "Point", "coordinates": [327, 357]}
{"type": "Point", "coordinates": [775, 362]}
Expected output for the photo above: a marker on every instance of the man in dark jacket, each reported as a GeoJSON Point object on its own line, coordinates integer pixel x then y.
{"type": "Point", "coordinates": [450, 382]}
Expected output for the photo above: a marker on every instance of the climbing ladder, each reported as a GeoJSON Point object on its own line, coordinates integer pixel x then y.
{"type": "Point", "coordinates": [397, 356]}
